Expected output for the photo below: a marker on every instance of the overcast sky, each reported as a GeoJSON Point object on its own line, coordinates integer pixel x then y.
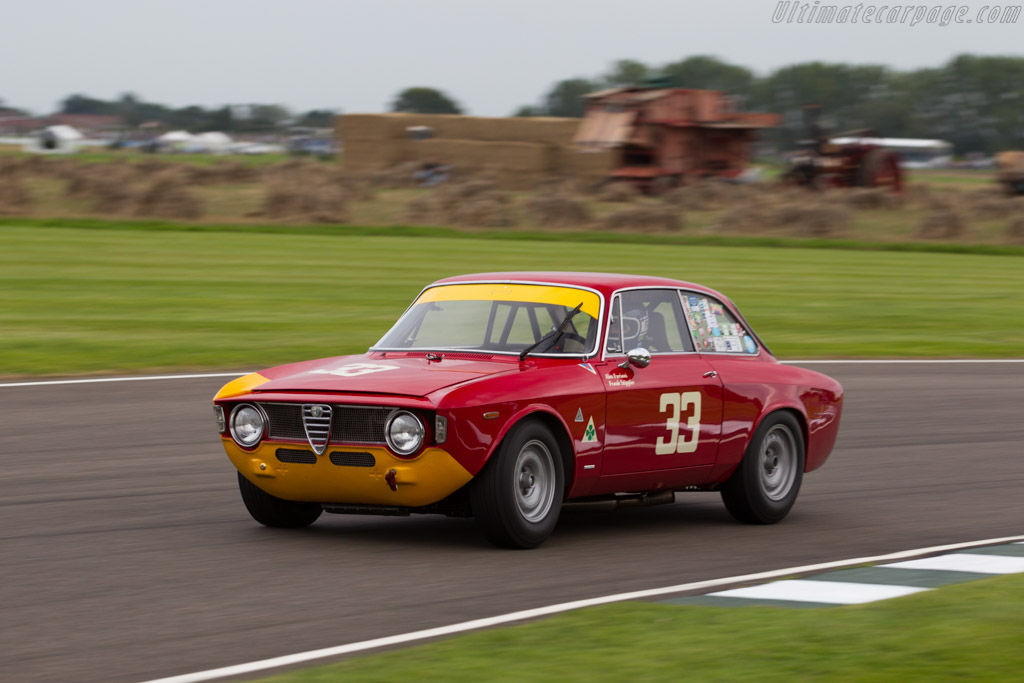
{"type": "Point", "coordinates": [490, 55]}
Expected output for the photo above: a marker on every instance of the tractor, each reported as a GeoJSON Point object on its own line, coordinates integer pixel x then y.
{"type": "Point", "coordinates": [851, 159]}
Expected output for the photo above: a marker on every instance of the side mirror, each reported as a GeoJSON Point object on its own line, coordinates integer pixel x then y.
{"type": "Point", "coordinates": [639, 357]}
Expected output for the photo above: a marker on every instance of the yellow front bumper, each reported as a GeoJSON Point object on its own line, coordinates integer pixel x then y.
{"type": "Point", "coordinates": [427, 479]}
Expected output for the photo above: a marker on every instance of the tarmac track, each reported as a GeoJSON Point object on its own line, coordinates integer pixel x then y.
{"type": "Point", "coordinates": [126, 554]}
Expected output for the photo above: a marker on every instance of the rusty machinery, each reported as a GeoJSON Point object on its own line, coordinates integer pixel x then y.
{"type": "Point", "coordinates": [665, 135]}
{"type": "Point", "coordinates": [857, 161]}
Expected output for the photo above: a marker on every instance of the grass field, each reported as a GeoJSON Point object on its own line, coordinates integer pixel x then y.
{"type": "Point", "coordinates": [107, 301]}
{"type": "Point", "coordinates": [965, 632]}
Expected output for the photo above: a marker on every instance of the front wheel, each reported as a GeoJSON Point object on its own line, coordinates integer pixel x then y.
{"type": "Point", "coordinates": [270, 510]}
{"type": "Point", "coordinates": [765, 485]}
{"type": "Point", "coordinates": [517, 496]}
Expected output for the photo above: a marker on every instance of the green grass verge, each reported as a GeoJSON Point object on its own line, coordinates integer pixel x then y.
{"type": "Point", "coordinates": [964, 632]}
{"type": "Point", "coordinates": [103, 300]}
{"type": "Point", "coordinates": [517, 235]}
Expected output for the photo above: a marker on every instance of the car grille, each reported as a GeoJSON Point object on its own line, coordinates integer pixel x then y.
{"type": "Point", "coordinates": [339, 458]}
{"type": "Point", "coordinates": [316, 419]}
{"type": "Point", "coordinates": [348, 424]}
{"type": "Point", "coordinates": [296, 457]}
{"type": "Point", "coordinates": [342, 459]}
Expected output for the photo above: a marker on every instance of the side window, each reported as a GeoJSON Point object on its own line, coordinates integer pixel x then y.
{"type": "Point", "coordinates": [652, 319]}
{"type": "Point", "coordinates": [613, 344]}
{"type": "Point", "coordinates": [714, 327]}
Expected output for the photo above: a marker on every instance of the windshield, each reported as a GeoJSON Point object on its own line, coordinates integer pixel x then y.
{"type": "Point", "coordinates": [497, 318]}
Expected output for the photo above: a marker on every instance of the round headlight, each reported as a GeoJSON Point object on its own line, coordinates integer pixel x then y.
{"type": "Point", "coordinates": [404, 433]}
{"type": "Point", "coordinates": [246, 425]}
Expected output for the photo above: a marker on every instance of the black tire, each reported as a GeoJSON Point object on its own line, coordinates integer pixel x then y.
{"type": "Point", "coordinates": [765, 485]}
{"type": "Point", "coordinates": [517, 497]}
{"type": "Point", "coordinates": [880, 168]}
{"type": "Point", "coordinates": [269, 510]}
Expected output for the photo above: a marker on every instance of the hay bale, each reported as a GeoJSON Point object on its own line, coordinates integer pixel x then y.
{"type": "Point", "coordinates": [451, 204]}
{"type": "Point", "coordinates": [992, 208]}
{"type": "Point", "coordinates": [469, 189]}
{"type": "Point", "coordinates": [661, 185]}
{"type": "Point", "coordinates": [943, 224]}
{"type": "Point", "coordinates": [357, 189]}
{"type": "Point", "coordinates": [305, 195]}
{"type": "Point", "coordinates": [556, 210]}
{"type": "Point", "coordinates": [704, 195]}
{"type": "Point", "coordinates": [949, 199]}
{"type": "Point", "coordinates": [871, 199]}
{"type": "Point", "coordinates": [424, 210]}
{"type": "Point", "coordinates": [618, 191]}
{"type": "Point", "coordinates": [1015, 231]}
{"type": "Point", "coordinates": [800, 218]}
{"type": "Point", "coordinates": [394, 178]}
{"type": "Point", "coordinates": [643, 217]}
{"type": "Point", "coordinates": [113, 192]}
{"type": "Point", "coordinates": [741, 219]}
{"type": "Point", "coordinates": [78, 181]}
{"type": "Point", "coordinates": [393, 126]}
{"type": "Point", "coordinates": [225, 171]}
{"type": "Point", "coordinates": [591, 167]}
{"type": "Point", "coordinates": [474, 155]}
{"type": "Point", "coordinates": [151, 166]}
{"type": "Point", "coordinates": [918, 193]}
{"type": "Point", "coordinates": [15, 199]}
{"type": "Point", "coordinates": [785, 214]}
{"type": "Point", "coordinates": [822, 220]}
{"type": "Point", "coordinates": [167, 196]}
{"type": "Point", "coordinates": [483, 212]}
{"type": "Point", "coordinates": [988, 204]}
{"type": "Point", "coordinates": [557, 184]}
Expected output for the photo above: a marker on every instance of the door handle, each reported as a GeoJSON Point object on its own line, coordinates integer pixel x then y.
{"type": "Point", "coordinates": [711, 373]}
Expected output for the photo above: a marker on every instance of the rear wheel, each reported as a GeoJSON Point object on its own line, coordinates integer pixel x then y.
{"type": "Point", "coordinates": [880, 168]}
{"type": "Point", "coordinates": [517, 497]}
{"type": "Point", "coordinates": [765, 485]}
{"type": "Point", "coordinates": [270, 510]}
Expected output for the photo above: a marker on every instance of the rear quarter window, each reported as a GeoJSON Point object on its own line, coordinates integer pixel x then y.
{"type": "Point", "coordinates": [715, 329]}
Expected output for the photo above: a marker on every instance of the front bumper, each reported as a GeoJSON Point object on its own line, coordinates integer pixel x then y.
{"type": "Point", "coordinates": [426, 479]}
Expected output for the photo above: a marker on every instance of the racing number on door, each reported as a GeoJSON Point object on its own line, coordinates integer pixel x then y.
{"type": "Point", "coordinates": [675, 405]}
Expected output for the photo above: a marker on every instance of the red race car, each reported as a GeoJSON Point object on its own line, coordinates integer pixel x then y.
{"type": "Point", "coordinates": [504, 395]}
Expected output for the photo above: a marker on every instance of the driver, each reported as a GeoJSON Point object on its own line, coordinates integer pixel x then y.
{"type": "Point", "coordinates": [634, 329]}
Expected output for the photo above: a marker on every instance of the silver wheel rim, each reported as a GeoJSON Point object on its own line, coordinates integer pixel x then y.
{"type": "Point", "coordinates": [534, 481]}
{"type": "Point", "coordinates": [778, 461]}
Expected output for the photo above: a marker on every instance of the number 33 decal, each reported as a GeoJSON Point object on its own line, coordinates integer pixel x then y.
{"type": "Point", "coordinates": [675, 405]}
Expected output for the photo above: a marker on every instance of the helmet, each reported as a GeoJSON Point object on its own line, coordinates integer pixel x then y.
{"type": "Point", "coordinates": [634, 328]}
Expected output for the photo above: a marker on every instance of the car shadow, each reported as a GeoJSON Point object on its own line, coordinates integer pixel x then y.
{"type": "Point", "coordinates": [577, 523]}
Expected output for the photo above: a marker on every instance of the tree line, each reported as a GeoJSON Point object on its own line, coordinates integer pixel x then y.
{"type": "Point", "coordinates": [977, 103]}
{"type": "Point", "coordinates": [246, 118]}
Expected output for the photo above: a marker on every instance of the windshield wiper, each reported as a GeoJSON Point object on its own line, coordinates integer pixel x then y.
{"type": "Point", "coordinates": [553, 334]}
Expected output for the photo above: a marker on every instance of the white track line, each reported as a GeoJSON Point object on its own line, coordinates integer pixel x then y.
{"type": "Point", "coordinates": [97, 380]}
{"type": "Point", "coordinates": [966, 562]}
{"type": "Point", "coordinates": [919, 361]}
{"type": "Point", "coordinates": [404, 638]}
{"type": "Point", "coordinates": [830, 592]}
